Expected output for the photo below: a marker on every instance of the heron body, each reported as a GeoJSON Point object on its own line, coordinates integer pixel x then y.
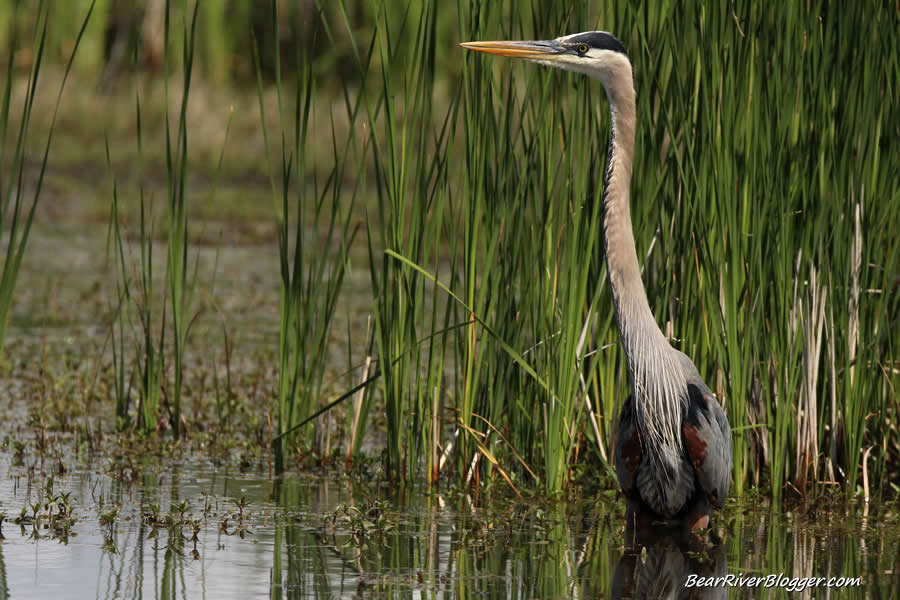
{"type": "Point", "coordinates": [673, 450]}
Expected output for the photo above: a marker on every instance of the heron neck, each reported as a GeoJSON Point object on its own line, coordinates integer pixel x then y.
{"type": "Point", "coordinates": [653, 367]}
{"type": "Point", "coordinates": [633, 315]}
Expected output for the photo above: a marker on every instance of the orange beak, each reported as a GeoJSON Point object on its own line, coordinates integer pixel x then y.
{"type": "Point", "coordinates": [541, 50]}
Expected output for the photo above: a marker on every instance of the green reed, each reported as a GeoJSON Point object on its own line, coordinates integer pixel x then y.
{"type": "Point", "coordinates": [530, 271]}
{"type": "Point", "coordinates": [178, 281]}
{"type": "Point", "coordinates": [313, 254]}
{"type": "Point", "coordinates": [16, 185]}
{"type": "Point", "coordinates": [746, 186]}
{"type": "Point", "coordinates": [150, 351]}
{"type": "Point", "coordinates": [409, 147]}
{"type": "Point", "coordinates": [115, 244]}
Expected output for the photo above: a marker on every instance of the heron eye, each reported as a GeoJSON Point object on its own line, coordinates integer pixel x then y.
{"type": "Point", "coordinates": [582, 48]}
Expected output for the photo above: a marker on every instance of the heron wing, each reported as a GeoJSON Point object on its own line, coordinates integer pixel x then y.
{"type": "Point", "coordinates": [628, 449]}
{"type": "Point", "coordinates": [707, 442]}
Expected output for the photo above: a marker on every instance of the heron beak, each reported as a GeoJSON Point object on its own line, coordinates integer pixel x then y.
{"type": "Point", "coordinates": [536, 50]}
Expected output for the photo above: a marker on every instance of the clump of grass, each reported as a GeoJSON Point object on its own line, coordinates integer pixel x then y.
{"type": "Point", "coordinates": [532, 220]}
{"type": "Point", "coordinates": [413, 224]}
{"type": "Point", "coordinates": [313, 257]}
{"type": "Point", "coordinates": [149, 349]}
{"type": "Point", "coordinates": [180, 276]}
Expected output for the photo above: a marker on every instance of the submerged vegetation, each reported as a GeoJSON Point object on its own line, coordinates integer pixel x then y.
{"type": "Point", "coordinates": [467, 192]}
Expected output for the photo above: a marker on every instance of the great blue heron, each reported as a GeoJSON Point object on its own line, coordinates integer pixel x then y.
{"type": "Point", "coordinates": [673, 454]}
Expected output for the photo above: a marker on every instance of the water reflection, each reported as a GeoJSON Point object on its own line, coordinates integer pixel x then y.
{"type": "Point", "coordinates": [665, 562]}
{"type": "Point", "coordinates": [203, 531]}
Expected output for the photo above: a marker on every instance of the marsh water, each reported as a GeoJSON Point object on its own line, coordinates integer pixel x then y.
{"type": "Point", "coordinates": [88, 518]}
{"type": "Point", "coordinates": [195, 529]}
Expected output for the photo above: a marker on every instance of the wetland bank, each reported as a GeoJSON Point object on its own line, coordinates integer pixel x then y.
{"type": "Point", "coordinates": [333, 195]}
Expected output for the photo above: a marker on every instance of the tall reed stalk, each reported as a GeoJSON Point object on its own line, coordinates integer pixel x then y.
{"type": "Point", "coordinates": [15, 184]}
{"type": "Point", "coordinates": [178, 281]}
{"type": "Point", "coordinates": [313, 254]}
{"type": "Point", "coordinates": [116, 245]}
{"type": "Point", "coordinates": [149, 351]}
{"type": "Point", "coordinates": [410, 161]}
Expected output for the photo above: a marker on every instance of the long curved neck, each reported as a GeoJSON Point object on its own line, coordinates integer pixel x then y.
{"type": "Point", "coordinates": [632, 308]}
{"type": "Point", "coordinates": [656, 376]}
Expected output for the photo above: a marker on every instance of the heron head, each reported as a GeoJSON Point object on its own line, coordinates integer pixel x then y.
{"type": "Point", "coordinates": [595, 53]}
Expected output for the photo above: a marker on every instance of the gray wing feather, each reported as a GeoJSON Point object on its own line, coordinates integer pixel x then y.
{"type": "Point", "coordinates": [707, 439]}
{"type": "Point", "coordinates": [706, 436]}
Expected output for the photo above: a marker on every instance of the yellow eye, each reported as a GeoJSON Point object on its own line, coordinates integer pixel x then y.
{"type": "Point", "coordinates": [582, 48]}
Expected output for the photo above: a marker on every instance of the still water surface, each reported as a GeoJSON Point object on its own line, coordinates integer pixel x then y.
{"type": "Point", "coordinates": [328, 537]}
